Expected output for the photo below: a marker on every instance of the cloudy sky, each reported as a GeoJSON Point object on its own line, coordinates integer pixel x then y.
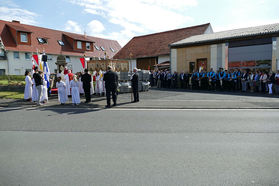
{"type": "Point", "coordinates": [121, 20]}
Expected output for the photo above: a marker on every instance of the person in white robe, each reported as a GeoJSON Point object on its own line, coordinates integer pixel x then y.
{"type": "Point", "coordinates": [28, 87]}
{"type": "Point", "coordinates": [44, 98]}
{"type": "Point", "coordinates": [81, 91]}
{"type": "Point", "coordinates": [67, 82]}
{"type": "Point", "coordinates": [99, 84]}
{"type": "Point", "coordinates": [62, 91]}
{"type": "Point", "coordinates": [34, 91]}
{"type": "Point", "coordinates": [103, 83]}
{"type": "Point", "coordinates": [92, 91]}
{"type": "Point", "coordinates": [74, 84]}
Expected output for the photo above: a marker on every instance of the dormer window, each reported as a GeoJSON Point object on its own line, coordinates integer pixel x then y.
{"type": "Point", "coordinates": [79, 45]}
{"type": "Point", "coordinates": [61, 43]}
{"type": "Point", "coordinates": [112, 49]}
{"type": "Point", "coordinates": [42, 40]}
{"type": "Point", "coordinates": [103, 49]}
{"type": "Point", "coordinates": [88, 46]}
{"type": "Point", "coordinates": [23, 37]}
{"type": "Point", "coordinates": [97, 48]}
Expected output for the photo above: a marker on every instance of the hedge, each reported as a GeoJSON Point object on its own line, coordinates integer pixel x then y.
{"type": "Point", "coordinates": [13, 77]}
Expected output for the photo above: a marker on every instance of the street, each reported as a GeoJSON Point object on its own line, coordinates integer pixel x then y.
{"type": "Point", "coordinates": [140, 146]}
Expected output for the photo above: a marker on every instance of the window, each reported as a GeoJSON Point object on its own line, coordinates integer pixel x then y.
{"type": "Point", "coordinates": [112, 49]}
{"type": "Point", "coordinates": [68, 60]}
{"type": "Point", "coordinates": [61, 43]}
{"type": "Point", "coordinates": [27, 56]}
{"type": "Point", "coordinates": [2, 72]}
{"type": "Point", "coordinates": [23, 37]}
{"type": "Point", "coordinates": [88, 46]}
{"type": "Point", "coordinates": [49, 57]}
{"type": "Point", "coordinates": [79, 46]}
{"type": "Point", "coordinates": [103, 49]}
{"type": "Point", "coordinates": [16, 55]}
{"type": "Point", "coordinates": [2, 52]}
{"type": "Point", "coordinates": [96, 47]}
{"type": "Point", "coordinates": [42, 40]}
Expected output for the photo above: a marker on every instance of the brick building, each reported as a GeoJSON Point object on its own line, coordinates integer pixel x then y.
{"type": "Point", "coordinates": [19, 41]}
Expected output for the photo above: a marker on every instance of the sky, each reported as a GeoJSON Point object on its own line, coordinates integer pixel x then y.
{"type": "Point", "coordinates": [122, 20]}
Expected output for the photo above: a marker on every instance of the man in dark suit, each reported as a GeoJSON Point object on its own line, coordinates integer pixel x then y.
{"type": "Point", "coordinates": [86, 80]}
{"type": "Point", "coordinates": [135, 85]}
{"type": "Point", "coordinates": [111, 83]}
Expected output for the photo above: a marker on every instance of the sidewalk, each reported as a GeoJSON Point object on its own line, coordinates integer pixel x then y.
{"type": "Point", "coordinates": [167, 99]}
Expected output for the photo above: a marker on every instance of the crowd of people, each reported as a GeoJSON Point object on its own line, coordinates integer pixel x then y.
{"type": "Point", "coordinates": [75, 85]}
{"type": "Point", "coordinates": [244, 80]}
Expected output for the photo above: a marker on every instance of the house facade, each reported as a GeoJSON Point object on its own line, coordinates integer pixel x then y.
{"type": "Point", "coordinates": [254, 48]}
{"type": "Point", "coordinates": [19, 41]}
{"type": "Point", "coordinates": [144, 52]}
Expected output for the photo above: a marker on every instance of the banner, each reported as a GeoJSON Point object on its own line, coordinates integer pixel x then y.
{"type": "Point", "coordinates": [46, 73]}
{"type": "Point", "coordinates": [82, 60]}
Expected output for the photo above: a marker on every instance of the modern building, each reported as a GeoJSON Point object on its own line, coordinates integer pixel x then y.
{"type": "Point", "coordinates": [19, 41]}
{"type": "Point", "coordinates": [144, 52]}
{"type": "Point", "coordinates": [246, 48]}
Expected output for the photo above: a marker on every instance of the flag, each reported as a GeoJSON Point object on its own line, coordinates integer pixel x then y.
{"type": "Point", "coordinates": [40, 62]}
{"type": "Point", "coordinates": [46, 73]}
{"type": "Point", "coordinates": [82, 60]}
{"type": "Point", "coordinates": [35, 57]}
{"type": "Point", "coordinates": [33, 65]}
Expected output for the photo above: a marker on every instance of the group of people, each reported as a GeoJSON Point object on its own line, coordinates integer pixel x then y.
{"type": "Point", "coordinates": [223, 80]}
{"type": "Point", "coordinates": [74, 85]}
{"type": "Point", "coordinates": [35, 87]}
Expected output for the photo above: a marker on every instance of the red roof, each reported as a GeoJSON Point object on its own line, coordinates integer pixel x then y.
{"type": "Point", "coordinates": [52, 46]}
{"type": "Point", "coordinates": [157, 44]}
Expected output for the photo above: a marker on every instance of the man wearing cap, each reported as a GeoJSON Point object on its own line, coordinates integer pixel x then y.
{"type": "Point", "coordinates": [111, 82]}
{"type": "Point", "coordinates": [135, 85]}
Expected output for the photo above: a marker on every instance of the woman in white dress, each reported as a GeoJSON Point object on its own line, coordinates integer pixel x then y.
{"type": "Point", "coordinates": [92, 91]}
{"type": "Point", "coordinates": [44, 98]}
{"type": "Point", "coordinates": [99, 84]}
{"type": "Point", "coordinates": [62, 93]}
{"type": "Point", "coordinates": [81, 91]}
{"type": "Point", "coordinates": [34, 91]}
{"type": "Point", "coordinates": [28, 87]}
{"type": "Point", "coordinates": [74, 84]}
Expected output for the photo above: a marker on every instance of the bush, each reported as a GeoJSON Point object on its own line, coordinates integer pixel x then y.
{"type": "Point", "coordinates": [13, 77]}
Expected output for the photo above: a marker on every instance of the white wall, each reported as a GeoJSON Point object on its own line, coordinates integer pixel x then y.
{"type": "Point", "coordinates": [213, 57]}
{"type": "Point", "coordinates": [164, 58]}
{"type": "Point", "coordinates": [173, 60]}
{"type": "Point", "coordinates": [276, 51]}
{"type": "Point", "coordinates": [132, 64]}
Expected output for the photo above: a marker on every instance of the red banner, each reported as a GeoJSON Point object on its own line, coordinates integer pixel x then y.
{"type": "Point", "coordinates": [36, 58]}
{"type": "Point", "coordinates": [82, 62]}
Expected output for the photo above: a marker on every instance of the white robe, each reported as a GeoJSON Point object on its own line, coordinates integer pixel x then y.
{"type": "Point", "coordinates": [67, 81]}
{"type": "Point", "coordinates": [91, 87]}
{"type": "Point", "coordinates": [34, 92]}
{"type": "Point", "coordinates": [81, 91]}
{"type": "Point", "coordinates": [99, 85]}
{"type": "Point", "coordinates": [75, 92]}
{"type": "Point", "coordinates": [28, 88]}
{"type": "Point", "coordinates": [62, 93]}
{"type": "Point", "coordinates": [44, 92]}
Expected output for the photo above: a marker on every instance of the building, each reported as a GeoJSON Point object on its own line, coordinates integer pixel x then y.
{"type": "Point", "coordinates": [144, 52]}
{"type": "Point", "coordinates": [19, 41]}
{"type": "Point", "coordinates": [246, 48]}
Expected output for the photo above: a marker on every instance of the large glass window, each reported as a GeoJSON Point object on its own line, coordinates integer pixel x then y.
{"type": "Point", "coordinates": [23, 37]}
{"type": "Point", "coordinates": [79, 45]}
{"type": "Point", "coordinates": [16, 55]}
{"type": "Point", "coordinates": [68, 59]}
{"type": "Point", "coordinates": [27, 56]}
{"type": "Point", "coordinates": [88, 46]}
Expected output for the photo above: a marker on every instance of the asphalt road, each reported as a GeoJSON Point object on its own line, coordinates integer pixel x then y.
{"type": "Point", "coordinates": [78, 146]}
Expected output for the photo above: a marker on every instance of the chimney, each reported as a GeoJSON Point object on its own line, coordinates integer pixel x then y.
{"type": "Point", "coordinates": [16, 21]}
